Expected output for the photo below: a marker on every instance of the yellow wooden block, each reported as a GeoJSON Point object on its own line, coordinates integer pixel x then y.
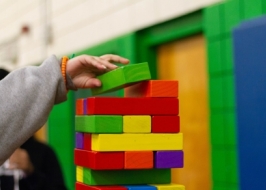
{"type": "Point", "coordinates": [169, 186]}
{"type": "Point", "coordinates": [126, 141]}
{"type": "Point", "coordinates": [79, 174]}
{"type": "Point", "coordinates": [136, 124]}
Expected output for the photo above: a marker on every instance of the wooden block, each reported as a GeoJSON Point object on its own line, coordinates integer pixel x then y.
{"type": "Point", "coordinates": [99, 160]}
{"type": "Point", "coordinates": [79, 174]}
{"type": "Point", "coordinates": [84, 106]}
{"type": "Point", "coordinates": [140, 187]}
{"type": "Point", "coordinates": [169, 186]}
{"type": "Point", "coordinates": [169, 159]}
{"type": "Point", "coordinates": [79, 106]}
{"type": "Point", "coordinates": [153, 88]}
{"type": "Point", "coordinates": [136, 124]}
{"type": "Point", "coordinates": [121, 77]}
{"type": "Point", "coordinates": [87, 141]}
{"type": "Point", "coordinates": [124, 177]}
{"type": "Point", "coordinates": [135, 142]}
{"type": "Point", "coordinates": [79, 140]}
{"type": "Point", "coordinates": [165, 124]}
{"type": "Point", "coordinates": [99, 123]}
{"type": "Point", "coordinates": [132, 106]}
{"type": "Point", "coordinates": [81, 186]}
{"type": "Point", "coordinates": [138, 159]}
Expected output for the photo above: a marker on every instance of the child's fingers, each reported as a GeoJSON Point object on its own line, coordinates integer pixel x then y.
{"type": "Point", "coordinates": [114, 58]}
{"type": "Point", "coordinates": [107, 64]}
{"type": "Point", "coordinates": [89, 60]}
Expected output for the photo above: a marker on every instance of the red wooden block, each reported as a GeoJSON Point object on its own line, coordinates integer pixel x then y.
{"type": "Point", "coordinates": [99, 160]}
{"type": "Point", "coordinates": [81, 186]}
{"type": "Point", "coordinates": [138, 159]}
{"type": "Point", "coordinates": [87, 141]}
{"type": "Point", "coordinates": [153, 88]}
{"type": "Point", "coordinates": [79, 107]}
{"type": "Point", "coordinates": [132, 106]}
{"type": "Point", "coordinates": [165, 124]}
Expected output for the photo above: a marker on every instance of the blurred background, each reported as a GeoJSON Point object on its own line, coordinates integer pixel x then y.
{"type": "Point", "coordinates": [186, 40]}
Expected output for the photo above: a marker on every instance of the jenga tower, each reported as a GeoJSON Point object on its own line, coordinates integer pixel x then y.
{"type": "Point", "coordinates": [129, 143]}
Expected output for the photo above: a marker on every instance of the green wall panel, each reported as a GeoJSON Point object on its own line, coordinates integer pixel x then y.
{"type": "Point", "coordinates": [216, 92]}
{"type": "Point", "coordinates": [231, 162]}
{"type": "Point", "coordinates": [224, 17]}
{"type": "Point", "coordinates": [227, 54]}
{"type": "Point", "coordinates": [61, 121]}
{"type": "Point", "coordinates": [252, 8]}
{"type": "Point", "coordinates": [231, 14]}
{"type": "Point", "coordinates": [219, 165]}
{"type": "Point", "coordinates": [224, 166]}
{"type": "Point", "coordinates": [212, 21]}
{"type": "Point", "coordinates": [217, 130]}
{"type": "Point", "coordinates": [230, 128]}
{"type": "Point", "coordinates": [229, 91]}
{"type": "Point", "coordinates": [176, 28]}
{"type": "Point", "coordinates": [214, 56]}
{"type": "Point", "coordinates": [263, 7]}
{"type": "Point", "coordinates": [223, 186]}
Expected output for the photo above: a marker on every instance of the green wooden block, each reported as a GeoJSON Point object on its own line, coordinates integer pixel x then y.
{"type": "Point", "coordinates": [252, 8]}
{"type": "Point", "coordinates": [216, 92]}
{"type": "Point", "coordinates": [217, 129]}
{"type": "Point", "coordinates": [230, 127]}
{"type": "Point", "coordinates": [214, 56]}
{"type": "Point", "coordinates": [231, 12]}
{"type": "Point", "coordinates": [123, 177]}
{"type": "Point", "coordinates": [99, 124]}
{"type": "Point", "coordinates": [212, 20]}
{"type": "Point", "coordinates": [122, 77]}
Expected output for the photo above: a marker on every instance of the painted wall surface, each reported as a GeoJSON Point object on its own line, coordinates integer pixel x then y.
{"type": "Point", "coordinates": [66, 26]}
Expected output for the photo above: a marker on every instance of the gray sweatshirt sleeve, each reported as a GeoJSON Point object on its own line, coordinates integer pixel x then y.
{"type": "Point", "coordinates": [26, 98]}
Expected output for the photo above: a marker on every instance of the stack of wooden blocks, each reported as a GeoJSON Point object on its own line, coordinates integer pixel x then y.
{"type": "Point", "coordinates": [129, 143]}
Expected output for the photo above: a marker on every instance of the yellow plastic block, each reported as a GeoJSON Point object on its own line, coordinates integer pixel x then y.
{"type": "Point", "coordinates": [79, 174]}
{"type": "Point", "coordinates": [136, 124]}
{"type": "Point", "coordinates": [127, 141]}
{"type": "Point", "coordinates": [169, 186]}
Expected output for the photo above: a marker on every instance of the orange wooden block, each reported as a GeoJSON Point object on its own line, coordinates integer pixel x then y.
{"type": "Point", "coordinates": [153, 88]}
{"type": "Point", "coordinates": [138, 159]}
{"type": "Point", "coordinates": [79, 107]}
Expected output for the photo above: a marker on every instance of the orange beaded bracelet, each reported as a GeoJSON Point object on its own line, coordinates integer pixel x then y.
{"type": "Point", "coordinates": [63, 67]}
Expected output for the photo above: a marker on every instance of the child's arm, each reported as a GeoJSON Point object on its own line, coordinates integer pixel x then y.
{"type": "Point", "coordinates": [27, 95]}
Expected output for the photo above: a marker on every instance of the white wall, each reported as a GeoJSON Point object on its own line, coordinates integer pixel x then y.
{"type": "Point", "coordinates": [76, 24]}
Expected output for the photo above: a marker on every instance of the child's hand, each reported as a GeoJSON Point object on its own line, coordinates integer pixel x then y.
{"type": "Point", "coordinates": [83, 69]}
{"type": "Point", "coordinates": [20, 159]}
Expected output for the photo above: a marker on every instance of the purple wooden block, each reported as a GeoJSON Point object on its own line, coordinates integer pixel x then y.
{"type": "Point", "coordinates": [85, 106]}
{"type": "Point", "coordinates": [169, 159]}
{"type": "Point", "coordinates": [79, 140]}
